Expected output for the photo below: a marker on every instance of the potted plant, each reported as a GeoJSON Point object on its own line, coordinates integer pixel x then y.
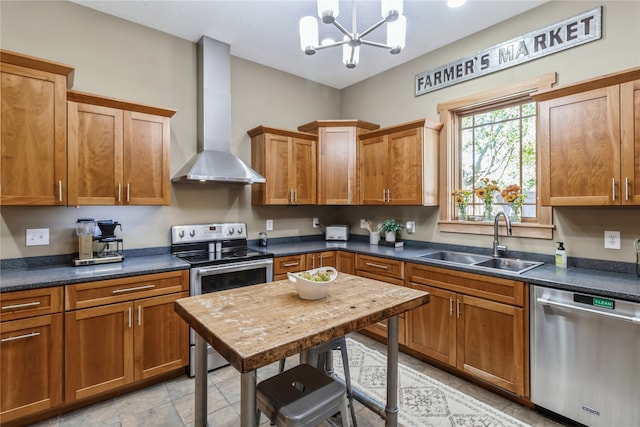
{"type": "Point", "coordinates": [390, 227]}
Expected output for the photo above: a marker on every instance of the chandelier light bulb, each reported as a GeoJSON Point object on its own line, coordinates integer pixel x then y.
{"type": "Point", "coordinates": [350, 53]}
{"type": "Point", "coordinates": [328, 10]}
{"type": "Point", "coordinates": [396, 33]}
{"type": "Point", "coordinates": [391, 9]}
{"type": "Point", "coordinates": [308, 34]}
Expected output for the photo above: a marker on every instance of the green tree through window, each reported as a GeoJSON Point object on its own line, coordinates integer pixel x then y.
{"type": "Point", "coordinates": [500, 144]}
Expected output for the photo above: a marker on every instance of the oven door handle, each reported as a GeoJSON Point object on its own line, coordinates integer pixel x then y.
{"type": "Point", "coordinates": [236, 266]}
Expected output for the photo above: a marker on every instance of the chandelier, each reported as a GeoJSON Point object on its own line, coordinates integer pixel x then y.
{"type": "Point", "coordinates": [328, 10]}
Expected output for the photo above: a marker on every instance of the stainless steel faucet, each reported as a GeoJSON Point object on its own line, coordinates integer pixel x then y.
{"type": "Point", "coordinates": [497, 247]}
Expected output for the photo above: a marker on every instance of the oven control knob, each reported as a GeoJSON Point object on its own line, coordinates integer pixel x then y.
{"type": "Point", "coordinates": [240, 230]}
{"type": "Point", "coordinates": [192, 233]}
{"type": "Point", "coordinates": [231, 231]}
{"type": "Point", "coordinates": [181, 233]}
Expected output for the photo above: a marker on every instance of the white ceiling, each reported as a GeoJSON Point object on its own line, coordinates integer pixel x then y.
{"type": "Point", "coordinates": [266, 31]}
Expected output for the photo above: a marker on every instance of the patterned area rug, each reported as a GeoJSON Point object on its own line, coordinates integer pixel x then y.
{"type": "Point", "coordinates": [422, 400]}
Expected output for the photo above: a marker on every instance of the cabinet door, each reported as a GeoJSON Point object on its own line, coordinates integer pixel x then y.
{"type": "Point", "coordinates": [303, 152]}
{"type": "Point", "coordinates": [431, 328]}
{"type": "Point", "coordinates": [146, 159]}
{"type": "Point", "coordinates": [337, 166]}
{"type": "Point", "coordinates": [161, 336]}
{"type": "Point", "coordinates": [321, 259]}
{"type": "Point", "coordinates": [579, 138]}
{"type": "Point", "coordinates": [630, 121]}
{"type": "Point", "coordinates": [30, 365]}
{"type": "Point", "coordinates": [346, 262]}
{"type": "Point", "coordinates": [94, 154]}
{"type": "Point", "coordinates": [33, 137]}
{"type": "Point", "coordinates": [404, 179]}
{"type": "Point", "coordinates": [373, 164]}
{"type": "Point", "coordinates": [98, 350]}
{"type": "Point", "coordinates": [490, 342]}
{"type": "Point", "coordinates": [288, 264]}
{"type": "Point", "coordinates": [278, 170]}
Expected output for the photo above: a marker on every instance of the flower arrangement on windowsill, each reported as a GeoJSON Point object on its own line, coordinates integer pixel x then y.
{"type": "Point", "coordinates": [512, 195]}
{"type": "Point", "coordinates": [485, 192]}
{"type": "Point", "coordinates": [461, 199]}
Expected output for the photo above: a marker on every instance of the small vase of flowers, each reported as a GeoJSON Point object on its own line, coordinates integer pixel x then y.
{"type": "Point", "coordinates": [485, 192]}
{"type": "Point", "coordinates": [512, 195]}
{"type": "Point", "coordinates": [461, 200]}
{"type": "Point", "coordinates": [390, 227]}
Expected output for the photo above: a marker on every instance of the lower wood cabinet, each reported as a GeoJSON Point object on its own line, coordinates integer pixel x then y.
{"type": "Point", "coordinates": [31, 366]}
{"type": "Point", "coordinates": [385, 270]}
{"type": "Point", "coordinates": [346, 262]}
{"type": "Point", "coordinates": [30, 352]}
{"type": "Point", "coordinates": [474, 323]}
{"type": "Point", "coordinates": [112, 345]}
{"type": "Point", "coordinates": [321, 259]}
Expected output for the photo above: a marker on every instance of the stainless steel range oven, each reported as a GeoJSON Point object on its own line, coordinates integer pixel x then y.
{"type": "Point", "coordinates": [220, 259]}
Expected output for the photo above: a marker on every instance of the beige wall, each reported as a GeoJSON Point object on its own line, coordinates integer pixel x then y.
{"type": "Point", "coordinates": [117, 58]}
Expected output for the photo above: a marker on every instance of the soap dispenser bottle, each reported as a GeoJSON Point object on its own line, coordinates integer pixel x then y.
{"type": "Point", "coordinates": [561, 256]}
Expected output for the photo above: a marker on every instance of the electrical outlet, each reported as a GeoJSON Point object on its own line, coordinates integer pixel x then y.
{"type": "Point", "coordinates": [316, 222]}
{"type": "Point", "coordinates": [612, 240]}
{"type": "Point", "coordinates": [411, 227]}
{"type": "Point", "coordinates": [362, 224]}
{"type": "Point", "coordinates": [269, 225]}
{"type": "Point", "coordinates": [37, 237]}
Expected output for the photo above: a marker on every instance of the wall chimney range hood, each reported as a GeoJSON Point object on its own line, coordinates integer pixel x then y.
{"type": "Point", "coordinates": [214, 162]}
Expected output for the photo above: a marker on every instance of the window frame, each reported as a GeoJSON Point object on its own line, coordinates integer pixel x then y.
{"type": "Point", "coordinates": [450, 174]}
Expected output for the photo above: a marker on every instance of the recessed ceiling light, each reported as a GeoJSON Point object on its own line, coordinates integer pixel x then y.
{"type": "Point", "coordinates": [455, 3]}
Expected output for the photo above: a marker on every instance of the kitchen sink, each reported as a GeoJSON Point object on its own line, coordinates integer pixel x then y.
{"type": "Point", "coordinates": [456, 257]}
{"type": "Point", "coordinates": [507, 264]}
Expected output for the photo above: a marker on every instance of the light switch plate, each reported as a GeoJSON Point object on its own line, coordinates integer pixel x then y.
{"type": "Point", "coordinates": [612, 240]}
{"type": "Point", "coordinates": [37, 236]}
{"type": "Point", "coordinates": [269, 225]}
{"type": "Point", "coordinates": [411, 227]}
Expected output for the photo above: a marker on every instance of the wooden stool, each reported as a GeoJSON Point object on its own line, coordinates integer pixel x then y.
{"type": "Point", "coordinates": [301, 396]}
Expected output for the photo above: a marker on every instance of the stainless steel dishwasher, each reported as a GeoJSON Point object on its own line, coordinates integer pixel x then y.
{"type": "Point", "coordinates": [585, 357]}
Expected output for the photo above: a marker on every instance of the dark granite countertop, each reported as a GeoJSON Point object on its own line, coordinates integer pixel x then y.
{"type": "Point", "coordinates": [612, 284]}
{"type": "Point", "coordinates": [15, 279]}
{"type": "Point", "coordinates": [622, 285]}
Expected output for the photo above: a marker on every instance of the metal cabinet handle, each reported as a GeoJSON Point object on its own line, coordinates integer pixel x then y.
{"type": "Point", "coordinates": [139, 315]}
{"type": "Point", "coordinates": [613, 188]}
{"type": "Point", "coordinates": [388, 195]}
{"type": "Point", "coordinates": [129, 316]}
{"type": "Point", "coordinates": [119, 192]}
{"type": "Point", "coordinates": [20, 337]}
{"type": "Point", "coordinates": [291, 264]}
{"type": "Point", "coordinates": [450, 306]}
{"type": "Point", "coordinates": [137, 288]}
{"type": "Point", "coordinates": [626, 188]}
{"type": "Point", "coordinates": [384, 267]}
{"type": "Point", "coordinates": [458, 307]}
{"type": "Point", "coordinates": [59, 190]}
{"type": "Point", "coordinates": [26, 304]}
{"type": "Point", "coordinates": [128, 193]}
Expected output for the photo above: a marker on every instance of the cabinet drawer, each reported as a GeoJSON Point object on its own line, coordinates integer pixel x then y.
{"type": "Point", "coordinates": [125, 289]}
{"type": "Point", "coordinates": [33, 302]}
{"type": "Point", "coordinates": [293, 263]}
{"type": "Point", "coordinates": [382, 266]}
{"type": "Point", "coordinates": [491, 288]}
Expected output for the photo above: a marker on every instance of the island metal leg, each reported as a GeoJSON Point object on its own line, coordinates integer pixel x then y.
{"type": "Point", "coordinates": [201, 382]}
{"type": "Point", "coordinates": [392, 373]}
{"type": "Point", "coordinates": [248, 413]}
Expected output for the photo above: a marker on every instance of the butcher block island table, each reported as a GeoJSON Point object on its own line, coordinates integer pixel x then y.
{"type": "Point", "coordinates": [257, 325]}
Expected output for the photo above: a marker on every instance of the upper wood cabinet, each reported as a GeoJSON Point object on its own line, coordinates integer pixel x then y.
{"type": "Point", "coordinates": [287, 159]}
{"type": "Point", "coordinates": [398, 165]}
{"type": "Point", "coordinates": [589, 142]}
{"type": "Point", "coordinates": [107, 138]}
{"type": "Point", "coordinates": [337, 158]}
{"type": "Point", "coordinates": [33, 139]}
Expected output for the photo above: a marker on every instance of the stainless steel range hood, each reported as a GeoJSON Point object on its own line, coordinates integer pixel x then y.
{"type": "Point", "coordinates": [214, 161]}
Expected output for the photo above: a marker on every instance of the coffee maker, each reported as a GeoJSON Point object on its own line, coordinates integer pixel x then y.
{"type": "Point", "coordinates": [109, 245]}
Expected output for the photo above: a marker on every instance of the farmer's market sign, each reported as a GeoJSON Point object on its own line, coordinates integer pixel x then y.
{"type": "Point", "coordinates": [572, 32]}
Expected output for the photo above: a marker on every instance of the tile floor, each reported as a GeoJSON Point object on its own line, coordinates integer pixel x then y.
{"type": "Point", "coordinates": [170, 404]}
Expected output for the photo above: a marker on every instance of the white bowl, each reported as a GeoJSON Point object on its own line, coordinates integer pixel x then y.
{"type": "Point", "coordinates": [308, 289]}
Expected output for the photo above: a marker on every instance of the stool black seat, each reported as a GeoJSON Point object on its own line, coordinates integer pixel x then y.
{"type": "Point", "coordinates": [301, 396]}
